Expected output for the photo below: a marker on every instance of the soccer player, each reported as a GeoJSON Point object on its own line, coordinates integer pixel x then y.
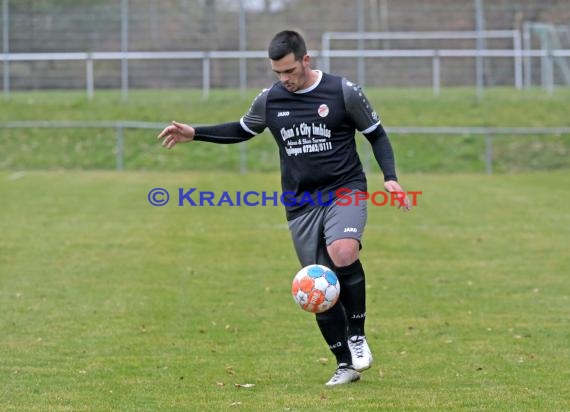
{"type": "Point", "coordinates": [313, 117]}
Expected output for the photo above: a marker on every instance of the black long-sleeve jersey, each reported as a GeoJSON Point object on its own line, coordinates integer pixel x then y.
{"type": "Point", "coordinates": [315, 131]}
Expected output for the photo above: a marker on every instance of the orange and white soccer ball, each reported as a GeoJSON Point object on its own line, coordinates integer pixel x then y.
{"type": "Point", "coordinates": [315, 288]}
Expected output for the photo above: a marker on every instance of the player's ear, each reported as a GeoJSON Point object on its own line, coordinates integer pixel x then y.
{"type": "Point", "coordinates": [306, 60]}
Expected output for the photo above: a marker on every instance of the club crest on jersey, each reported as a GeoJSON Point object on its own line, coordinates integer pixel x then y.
{"type": "Point", "coordinates": [323, 110]}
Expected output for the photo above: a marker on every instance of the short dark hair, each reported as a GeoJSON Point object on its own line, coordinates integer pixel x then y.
{"type": "Point", "coordinates": [285, 42]}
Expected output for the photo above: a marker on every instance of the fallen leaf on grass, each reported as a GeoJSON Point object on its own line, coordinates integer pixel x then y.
{"type": "Point", "coordinates": [244, 385]}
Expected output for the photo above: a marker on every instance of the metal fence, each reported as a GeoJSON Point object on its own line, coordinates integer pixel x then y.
{"type": "Point", "coordinates": [485, 133]}
{"type": "Point", "coordinates": [432, 57]}
{"type": "Point", "coordinates": [126, 44]}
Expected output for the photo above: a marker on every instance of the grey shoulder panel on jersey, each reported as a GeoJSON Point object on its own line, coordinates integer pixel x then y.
{"type": "Point", "coordinates": [359, 107]}
{"type": "Point", "coordinates": [254, 120]}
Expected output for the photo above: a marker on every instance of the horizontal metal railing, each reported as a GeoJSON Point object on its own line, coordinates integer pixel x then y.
{"type": "Point", "coordinates": [519, 56]}
{"type": "Point", "coordinates": [119, 126]}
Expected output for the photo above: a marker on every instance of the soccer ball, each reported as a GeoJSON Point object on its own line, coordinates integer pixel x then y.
{"type": "Point", "coordinates": [315, 288]}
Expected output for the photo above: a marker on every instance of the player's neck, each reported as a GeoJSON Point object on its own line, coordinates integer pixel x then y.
{"type": "Point", "coordinates": [312, 78]}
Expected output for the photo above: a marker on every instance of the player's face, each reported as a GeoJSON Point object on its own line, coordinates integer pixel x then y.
{"type": "Point", "coordinates": [293, 74]}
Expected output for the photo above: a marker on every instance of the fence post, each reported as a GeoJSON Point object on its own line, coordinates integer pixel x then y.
{"type": "Point", "coordinates": [550, 73]}
{"type": "Point", "coordinates": [481, 46]}
{"type": "Point", "coordinates": [436, 75]}
{"type": "Point", "coordinates": [120, 151]}
{"type": "Point", "coordinates": [360, 23]}
{"type": "Point", "coordinates": [89, 74]}
{"type": "Point", "coordinates": [527, 59]}
{"type": "Point", "coordinates": [325, 48]}
{"type": "Point", "coordinates": [206, 76]}
{"type": "Point", "coordinates": [6, 47]}
{"type": "Point", "coordinates": [518, 61]}
{"type": "Point", "coordinates": [489, 153]}
{"type": "Point", "coordinates": [124, 50]}
{"type": "Point", "coordinates": [242, 48]}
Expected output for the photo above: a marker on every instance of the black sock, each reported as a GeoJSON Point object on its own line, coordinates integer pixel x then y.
{"type": "Point", "coordinates": [353, 296]}
{"type": "Point", "coordinates": [332, 324]}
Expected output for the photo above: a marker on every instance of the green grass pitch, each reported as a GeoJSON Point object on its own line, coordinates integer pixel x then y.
{"type": "Point", "coordinates": [110, 304]}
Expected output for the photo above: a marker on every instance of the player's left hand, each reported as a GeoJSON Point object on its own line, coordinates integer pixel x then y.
{"type": "Point", "coordinates": [403, 201]}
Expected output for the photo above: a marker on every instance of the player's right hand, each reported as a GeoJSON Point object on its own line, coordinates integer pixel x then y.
{"type": "Point", "coordinates": [176, 133]}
